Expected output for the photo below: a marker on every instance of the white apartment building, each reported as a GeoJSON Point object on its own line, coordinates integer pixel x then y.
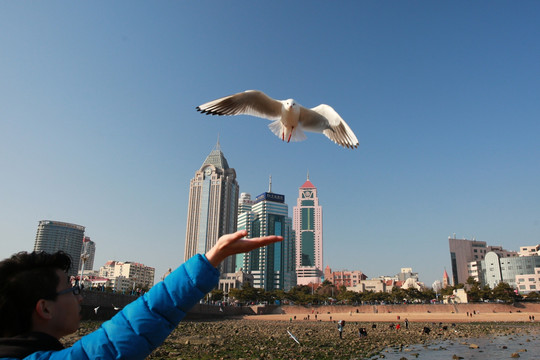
{"type": "Point", "coordinates": [138, 275]}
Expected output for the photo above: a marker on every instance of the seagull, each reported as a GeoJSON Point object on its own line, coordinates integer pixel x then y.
{"type": "Point", "coordinates": [293, 337]}
{"type": "Point", "coordinates": [116, 307]}
{"type": "Point", "coordinates": [96, 309]}
{"type": "Point", "coordinates": [289, 119]}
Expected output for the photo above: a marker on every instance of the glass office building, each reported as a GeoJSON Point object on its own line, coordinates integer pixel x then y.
{"type": "Point", "coordinates": [272, 266]}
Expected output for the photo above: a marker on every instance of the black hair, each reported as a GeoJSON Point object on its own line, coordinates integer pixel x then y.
{"type": "Point", "coordinates": [25, 278]}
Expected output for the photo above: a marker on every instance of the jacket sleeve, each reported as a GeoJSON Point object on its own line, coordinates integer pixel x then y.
{"type": "Point", "coordinates": [144, 324]}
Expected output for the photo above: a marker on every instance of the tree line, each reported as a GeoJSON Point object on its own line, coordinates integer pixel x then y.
{"type": "Point", "coordinates": [327, 293]}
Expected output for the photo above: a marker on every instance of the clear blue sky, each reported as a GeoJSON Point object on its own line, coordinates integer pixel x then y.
{"type": "Point", "coordinates": [98, 124]}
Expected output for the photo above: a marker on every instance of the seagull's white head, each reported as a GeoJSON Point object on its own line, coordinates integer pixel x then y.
{"type": "Point", "coordinates": [290, 103]}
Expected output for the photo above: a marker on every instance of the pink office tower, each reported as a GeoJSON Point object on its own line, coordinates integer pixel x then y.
{"type": "Point", "coordinates": [307, 224]}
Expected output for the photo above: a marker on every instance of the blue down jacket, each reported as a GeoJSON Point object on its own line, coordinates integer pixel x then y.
{"type": "Point", "coordinates": [144, 324]}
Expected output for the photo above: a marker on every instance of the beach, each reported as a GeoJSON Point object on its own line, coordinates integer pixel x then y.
{"type": "Point", "coordinates": [267, 336]}
{"type": "Point", "coordinates": [396, 317]}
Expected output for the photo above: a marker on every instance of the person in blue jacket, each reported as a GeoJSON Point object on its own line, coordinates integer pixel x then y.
{"type": "Point", "coordinates": [38, 305]}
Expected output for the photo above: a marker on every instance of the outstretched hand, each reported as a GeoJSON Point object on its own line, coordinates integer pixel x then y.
{"type": "Point", "coordinates": [231, 244]}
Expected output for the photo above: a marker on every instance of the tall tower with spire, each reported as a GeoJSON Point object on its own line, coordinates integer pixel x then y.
{"type": "Point", "coordinates": [213, 206]}
{"type": "Point", "coordinates": [307, 224]}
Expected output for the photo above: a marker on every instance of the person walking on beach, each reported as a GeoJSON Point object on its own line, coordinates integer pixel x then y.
{"type": "Point", "coordinates": [340, 326]}
{"type": "Point", "coordinates": [406, 324]}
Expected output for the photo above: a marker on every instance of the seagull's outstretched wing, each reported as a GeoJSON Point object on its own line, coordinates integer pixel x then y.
{"type": "Point", "coordinates": [251, 102]}
{"type": "Point", "coordinates": [324, 119]}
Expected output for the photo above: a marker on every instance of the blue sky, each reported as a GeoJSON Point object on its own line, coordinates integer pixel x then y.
{"type": "Point", "coordinates": [98, 124]}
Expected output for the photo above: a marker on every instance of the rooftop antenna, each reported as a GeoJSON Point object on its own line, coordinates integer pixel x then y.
{"type": "Point", "coordinates": [218, 147]}
{"type": "Point", "coordinates": [308, 174]}
{"type": "Point", "coordinates": [270, 184]}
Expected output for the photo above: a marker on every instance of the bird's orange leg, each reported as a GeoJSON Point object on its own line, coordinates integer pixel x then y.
{"type": "Point", "coordinates": [289, 139]}
{"type": "Point", "coordinates": [283, 136]}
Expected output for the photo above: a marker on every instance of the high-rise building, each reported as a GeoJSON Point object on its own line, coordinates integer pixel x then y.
{"type": "Point", "coordinates": [212, 209]}
{"type": "Point", "coordinates": [272, 266]}
{"type": "Point", "coordinates": [53, 236]}
{"type": "Point", "coordinates": [463, 252]}
{"type": "Point", "coordinates": [88, 252]}
{"type": "Point", "coordinates": [307, 220]}
{"type": "Point", "coordinates": [496, 268]}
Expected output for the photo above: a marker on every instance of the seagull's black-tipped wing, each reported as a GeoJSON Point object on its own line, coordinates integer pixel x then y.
{"type": "Point", "coordinates": [251, 102]}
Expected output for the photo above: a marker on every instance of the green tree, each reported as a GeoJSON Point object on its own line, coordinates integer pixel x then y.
{"type": "Point", "coordinates": [247, 293]}
{"type": "Point", "coordinates": [347, 296]}
{"type": "Point", "coordinates": [486, 293]}
{"type": "Point", "coordinates": [216, 294]}
{"type": "Point", "coordinates": [503, 291]}
{"type": "Point", "coordinates": [474, 293]}
{"type": "Point", "coordinates": [397, 295]}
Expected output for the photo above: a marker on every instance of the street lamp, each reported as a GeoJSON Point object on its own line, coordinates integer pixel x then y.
{"type": "Point", "coordinates": [84, 257]}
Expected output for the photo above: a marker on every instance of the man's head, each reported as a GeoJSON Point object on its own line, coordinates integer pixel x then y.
{"type": "Point", "coordinates": [34, 295]}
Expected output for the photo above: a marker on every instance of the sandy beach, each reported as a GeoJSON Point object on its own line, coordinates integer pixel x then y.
{"type": "Point", "coordinates": [400, 317]}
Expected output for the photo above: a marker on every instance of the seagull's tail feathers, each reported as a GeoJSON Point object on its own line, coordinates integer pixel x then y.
{"type": "Point", "coordinates": [278, 129]}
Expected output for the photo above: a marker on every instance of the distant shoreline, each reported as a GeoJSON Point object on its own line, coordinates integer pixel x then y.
{"type": "Point", "coordinates": [400, 317]}
{"type": "Point", "coordinates": [454, 313]}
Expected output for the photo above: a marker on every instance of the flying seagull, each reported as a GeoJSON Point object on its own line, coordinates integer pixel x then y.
{"type": "Point", "coordinates": [289, 119]}
{"type": "Point", "coordinates": [293, 337]}
{"type": "Point", "coordinates": [96, 309]}
{"type": "Point", "coordinates": [116, 307]}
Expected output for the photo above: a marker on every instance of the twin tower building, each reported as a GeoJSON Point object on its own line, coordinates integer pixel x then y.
{"type": "Point", "coordinates": [216, 208]}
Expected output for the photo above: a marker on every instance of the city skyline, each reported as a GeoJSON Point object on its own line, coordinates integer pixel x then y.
{"type": "Point", "coordinates": [99, 127]}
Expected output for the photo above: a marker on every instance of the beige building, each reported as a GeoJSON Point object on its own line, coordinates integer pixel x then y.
{"type": "Point", "coordinates": [235, 280]}
{"type": "Point", "coordinates": [459, 296]}
{"type": "Point", "coordinates": [344, 278]}
{"type": "Point", "coordinates": [528, 282]}
{"type": "Point", "coordinates": [375, 285]}
{"type": "Point", "coordinates": [529, 250]}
